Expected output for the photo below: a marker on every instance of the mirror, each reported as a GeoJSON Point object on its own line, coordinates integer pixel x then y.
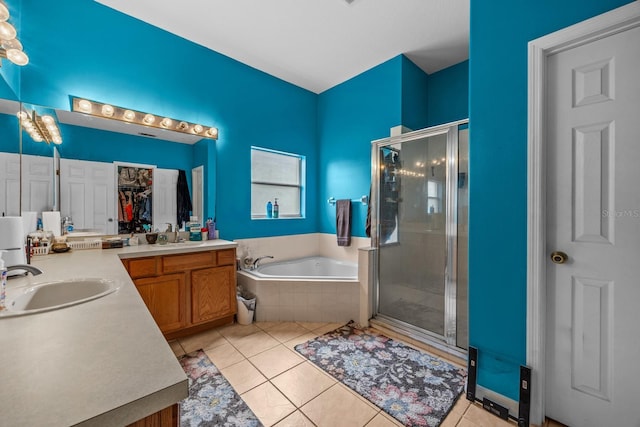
{"type": "Point", "coordinates": [85, 160]}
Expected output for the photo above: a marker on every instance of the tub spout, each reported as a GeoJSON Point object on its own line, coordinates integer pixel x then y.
{"type": "Point", "coordinates": [256, 263]}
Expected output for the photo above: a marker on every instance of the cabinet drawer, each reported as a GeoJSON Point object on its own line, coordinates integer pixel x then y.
{"type": "Point", "coordinates": [173, 263]}
{"type": "Point", "coordinates": [226, 257]}
{"type": "Point", "coordinates": [142, 267]}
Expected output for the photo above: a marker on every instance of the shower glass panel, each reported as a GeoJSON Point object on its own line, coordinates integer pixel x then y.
{"type": "Point", "coordinates": [462, 305]}
{"type": "Point", "coordinates": [412, 240]}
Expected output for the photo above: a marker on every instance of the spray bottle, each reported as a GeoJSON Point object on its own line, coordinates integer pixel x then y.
{"type": "Point", "coordinates": [3, 283]}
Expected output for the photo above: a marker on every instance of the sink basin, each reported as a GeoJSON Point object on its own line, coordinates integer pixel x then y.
{"type": "Point", "coordinates": [59, 294]}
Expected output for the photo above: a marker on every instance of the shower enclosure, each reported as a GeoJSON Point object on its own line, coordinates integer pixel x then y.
{"type": "Point", "coordinates": [419, 228]}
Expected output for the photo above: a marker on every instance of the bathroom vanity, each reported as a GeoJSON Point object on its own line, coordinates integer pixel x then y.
{"type": "Point", "coordinates": [106, 362]}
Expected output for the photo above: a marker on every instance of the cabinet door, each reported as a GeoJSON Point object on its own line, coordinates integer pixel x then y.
{"type": "Point", "coordinates": [165, 299]}
{"type": "Point", "coordinates": [213, 293]}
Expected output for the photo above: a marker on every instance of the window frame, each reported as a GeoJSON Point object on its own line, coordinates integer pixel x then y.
{"type": "Point", "coordinates": [300, 186]}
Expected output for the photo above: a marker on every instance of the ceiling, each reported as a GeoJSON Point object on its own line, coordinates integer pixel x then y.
{"type": "Point", "coordinates": [316, 44]}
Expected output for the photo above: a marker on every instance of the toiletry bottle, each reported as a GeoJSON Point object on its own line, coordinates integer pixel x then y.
{"type": "Point", "coordinates": [269, 209]}
{"type": "Point", "coordinates": [276, 209]}
{"type": "Point", "coordinates": [3, 283]}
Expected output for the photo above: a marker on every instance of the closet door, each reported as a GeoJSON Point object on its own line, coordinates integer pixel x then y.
{"type": "Point", "coordinates": [165, 199]}
{"type": "Point", "coordinates": [87, 194]}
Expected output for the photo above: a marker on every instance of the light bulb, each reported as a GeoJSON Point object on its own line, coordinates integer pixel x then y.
{"type": "Point", "coordinates": [53, 129]}
{"type": "Point", "coordinates": [22, 115]}
{"type": "Point", "coordinates": [7, 31]}
{"type": "Point", "coordinates": [84, 106]}
{"type": "Point", "coordinates": [18, 57]}
{"type": "Point", "coordinates": [57, 140]}
{"type": "Point", "coordinates": [197, 129]}
{"type": "Point", "coordinates": [37, 138]}
{"type": "Point", "coordinates": [129, 115]}
{"type": "Point", "coordinates": [182, 126]}
{"type": "Point", "coordinates": [107, 110]}
{"type": "Point", "coordinates": [149, 119]}
{"type": "Point", "coordinates": [48, 119]}
{"type": "Point", "coordinates": [166, 122]}
{"type": "Point", "coordinates": [212, 133]}
{"type": "Point", "coordinates": [11, 44]}
{"type": "Point", "coordinates": [4, 13]}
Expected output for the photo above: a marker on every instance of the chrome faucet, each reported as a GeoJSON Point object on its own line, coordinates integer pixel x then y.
{"type": "Point", "coordinates": [29, 268]}
{"type": "Point", "coordinates": [256, 263]}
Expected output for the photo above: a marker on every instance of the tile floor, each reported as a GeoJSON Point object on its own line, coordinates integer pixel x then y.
{"type": "Point", "coordinates": [284, 389]}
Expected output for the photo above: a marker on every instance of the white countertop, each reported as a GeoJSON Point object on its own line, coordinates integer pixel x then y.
{"type": "Point", "coordinates": [103, 362]}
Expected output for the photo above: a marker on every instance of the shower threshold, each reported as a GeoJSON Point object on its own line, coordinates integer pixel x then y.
{"type": "Point", "coordinates": [420, 335]}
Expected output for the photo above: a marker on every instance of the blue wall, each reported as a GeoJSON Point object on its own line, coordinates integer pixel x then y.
{"type": "Point", "coordinates": [448, 90]}
{"type": "Point", "coordinates": [498, 164]}
{"type": "Point", "coordinates": [117, 59]}
{"type": "Point", "coordinates": [415, 96]}
{"type": "Point", "coordinates": [350, 116]}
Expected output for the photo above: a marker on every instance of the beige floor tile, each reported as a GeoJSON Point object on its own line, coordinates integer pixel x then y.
{"type": "Point", "coordinates": [224, 355]}
{"type": "Point", "coordinates": [302, 383]}
{"type": "Point", "coordinates": [461, 405]}
{"type": "Point", "coordinates": [451, 420]}
{"type": "Point", "coordinates": [265, 326]}
{"type": "Point", "coordinates": [269, 405]}
{"type": "Point", "coordinates": [464, 422]}
{"type": "Point", "coordinates": [275, 361]}
{"type": "Point", "coordinates": [203, 340]}
{"type": "Point", "coordinates": [337, 407]}
{"type": "Point", "coordinates": [553, 423]}
{"type": "Point", "coordinates": [286, 331]}
{"type": "Point", "coordinates": [482, 418]}
{"type": "Point", "coordinates": [176, 348]}
{"type": "Point", "coordinates": [297, 419]}
{"type": "Point", "coordinates": [312, 325]}
{"type": "Point", "coordinates": [327, 328]}
{"type": "Point", "coordinates": [243, 376]}
{"type": "Point", "coordinates": [299, 340]}
{"type": "Point", "coordinates": [237, 331]}
{"type": "Point", "coordinates": [255, 343]}
{"type": "Point", "coordinates": [383, 420]}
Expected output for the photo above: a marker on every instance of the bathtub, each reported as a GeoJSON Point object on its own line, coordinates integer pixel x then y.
{"type": "Point", "coordinates": [312, 289]}
{"type": "Point", "coordinates": [310, 268]}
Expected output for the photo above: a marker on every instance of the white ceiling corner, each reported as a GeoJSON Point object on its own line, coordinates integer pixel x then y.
{"type": "Point", "coordinates": [316, 44]}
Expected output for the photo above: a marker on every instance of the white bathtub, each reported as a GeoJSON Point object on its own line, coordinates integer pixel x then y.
{"type": "Point", "coordinates": [310, 268]}
{"type": "Point", "coordinates": [312, 289]}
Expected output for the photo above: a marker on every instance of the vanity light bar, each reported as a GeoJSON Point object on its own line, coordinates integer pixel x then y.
{"type": "Point", "coordinates": [40, 128]}
{"type": "Point", "coordinates": [113, 112]}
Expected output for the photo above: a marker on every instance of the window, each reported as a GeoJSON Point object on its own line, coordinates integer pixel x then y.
{"type": "Point", "coordinates": [278, 175]}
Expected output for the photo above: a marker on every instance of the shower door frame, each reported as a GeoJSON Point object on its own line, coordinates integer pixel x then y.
{"type": "Point", "coordinates": [449, 339]}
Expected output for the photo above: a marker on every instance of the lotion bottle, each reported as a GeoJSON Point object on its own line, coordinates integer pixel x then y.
{"type": "Point", "coordinates": [269, 209]}
{"type": "Point", "coordinates": [276, 209]}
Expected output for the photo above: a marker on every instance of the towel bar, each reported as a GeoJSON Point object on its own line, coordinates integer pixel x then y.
{"type": "Point", "coordinates": [364, 200]}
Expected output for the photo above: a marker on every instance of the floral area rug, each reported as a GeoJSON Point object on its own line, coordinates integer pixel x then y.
{"type": "Point", "coordinates": [212, 401]}
{"type": "Point", "coordinates": [415, 388]}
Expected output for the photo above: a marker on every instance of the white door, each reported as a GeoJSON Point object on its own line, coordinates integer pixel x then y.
{"type": "Point", "coordinates": [9, 184]}
{"type": "Point", "coordinates": [593, 215]}
{"type": "Point", "coordinates": [87, 194]}
{"type": "Point", "coordinates": [165, 198]}
{"type": "Point", "coordinates": [37, 183]}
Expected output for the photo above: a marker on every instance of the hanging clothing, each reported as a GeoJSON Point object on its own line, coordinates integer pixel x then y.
{"type": "Point", "coordinates": [184, 199]}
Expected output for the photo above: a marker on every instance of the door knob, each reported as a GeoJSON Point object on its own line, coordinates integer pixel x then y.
{"type": "Point", "coordinates": [558, 257]}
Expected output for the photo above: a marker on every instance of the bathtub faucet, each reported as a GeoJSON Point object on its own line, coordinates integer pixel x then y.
{"type": "Point", "coordinates": [256, 263]}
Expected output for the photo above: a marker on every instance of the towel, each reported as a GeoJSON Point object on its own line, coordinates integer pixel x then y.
{"type": "Point", "coordinates": [184, 199]}
{"type": "Point", "coordinates": [343, 222]}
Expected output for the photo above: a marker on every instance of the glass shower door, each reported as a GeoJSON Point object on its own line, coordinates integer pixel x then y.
{"type": "Point", "coordinates": [412, 243]}
{"type": "Point", "coordinates": [417, 230]}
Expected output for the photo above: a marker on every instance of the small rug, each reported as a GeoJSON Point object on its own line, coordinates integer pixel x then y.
{"type": "Point", "coordinates": [212, 401]}
{"type": "Point", "coordinates": [415, 388]}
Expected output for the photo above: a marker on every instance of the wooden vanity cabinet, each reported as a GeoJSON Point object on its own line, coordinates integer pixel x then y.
{"type": "Point", "coordinates": [187, 293]}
